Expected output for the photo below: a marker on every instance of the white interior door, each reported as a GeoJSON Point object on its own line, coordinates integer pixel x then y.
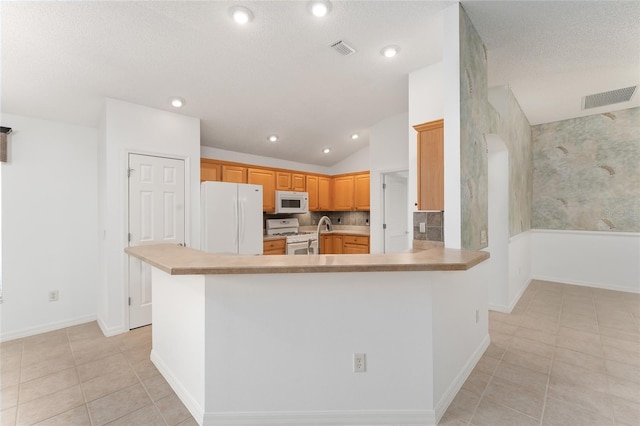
{"type": "Point", "coordinates": [396, 229]}
{"type": "Point", "coordinates": [156, 215]}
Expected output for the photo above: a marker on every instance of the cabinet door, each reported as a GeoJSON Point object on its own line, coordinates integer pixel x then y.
{"type": "Point", "coordinates": [343, 193]}
{"type": "Point", "coordinates": [355, 249]}
{"type": "Point", "coordinates": [266, 178]}
{"type": "Point", "coordinates": [298, 182]}
{"type": "Point", "coordinates": [326, 246]}
{"type": "Point", "coordinates": [337, 244]}
{"type": "Point", "coordinates": [283, 181]}
{"type": "Point", "coordinates": [362, 192]}
{"type": "Point", "coordinates": [274, 247]}
{"type": "Point", "coordinates": [431, 165]}
{"type": "Point", "coordinates": [210, 171]}
{"type": "Point", "coordinates": [312, 189]}
{"type": "Point", "coordinates": [324, 193]}
{"type": "Point", "coordinates": [235, 174]}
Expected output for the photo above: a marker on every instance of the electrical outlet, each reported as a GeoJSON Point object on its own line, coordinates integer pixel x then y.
{"type": "Point", "coordinates": [359, 363]}
{"type": "Point", "coordinates": [483, 236]}
{"type": "Point", "coordinates": [53, 296]}
{"type": "Point", "coordinates": [423, 227]}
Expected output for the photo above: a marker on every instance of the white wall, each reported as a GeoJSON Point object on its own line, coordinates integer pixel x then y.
{"type": "Point", "coordinates": [359, 161]}
{"type": "Point", "coordinates": [388, 152]}
{"type": "Point", "coordinates": [520, 268]}
{"type": "Point", "coordinates": [128, 128]}
{"type": "Point", "coordinates": [596, 259]}
{"type": "Point", "coordinates": [451, 70]}
{"type": "Point", "coordinates": [49, 229]}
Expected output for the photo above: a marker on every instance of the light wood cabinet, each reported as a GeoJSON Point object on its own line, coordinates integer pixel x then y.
{"type": "Point", "coordinates": [312, 189]}
{"type": "Point", "coordinates": [355, 244]}
{"type": "Point", "coordinates": [431, 165]}
{"type": "Point", "coordinates": [324, 193]}
{"type": "Point", "coordinates": [274, 247]}
{"type": "Point", "coordinates": [326, 244]}
{"type": "Point", "coordinates": [286, 181]}
{"type": "Point", "coordinates": [235, 174]}
{"type": "Point", "coordinates": [344, 244]}
{"type": "Point", "coordinates": [266, 178]}
{"type": "Point", "coordinates": [210, 171]}
{"type": "Point", "coordinates": [343, 195]}
{"type": "Point", "coordinates": [361, 189]}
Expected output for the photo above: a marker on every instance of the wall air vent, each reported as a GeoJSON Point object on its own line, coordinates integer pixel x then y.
{"type": "Point", "coordinates": [343, 48]}
{"type": "Point", "coordinates": [608, 98]}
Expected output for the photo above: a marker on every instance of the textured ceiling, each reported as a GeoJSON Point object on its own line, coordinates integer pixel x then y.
{"type": "Point", "coordinates": [553, 53]}
{"type": "Point", "coordinates": [277, 75]}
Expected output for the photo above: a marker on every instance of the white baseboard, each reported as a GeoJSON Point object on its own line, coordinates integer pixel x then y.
{"type": "Point", "coordinates": [456, 385]}
{"type": "Point", "coordinates": [585, 284]}
{"type": "Point", "coordinates": [324, 418]}
{"type": "Point", "coordinates": [514, 302]}
{"type": "Point", "coordinates": [108, 332]}
{"type": "Point", "coordinates": [192, 405]}
{"type": "Point", "coordinates": [30, 331]}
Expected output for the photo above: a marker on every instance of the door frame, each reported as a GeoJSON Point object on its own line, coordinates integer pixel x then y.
{"type": "Point", "coordinates": [408, 206]}
{"type": "Point", "coordinates": [125, 214]}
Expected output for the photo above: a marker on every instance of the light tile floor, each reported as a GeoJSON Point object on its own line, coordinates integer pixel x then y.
{"type": "Point", "coordinates": [566, 355]}
{"type": "Point", "coordinates": [76, 376]}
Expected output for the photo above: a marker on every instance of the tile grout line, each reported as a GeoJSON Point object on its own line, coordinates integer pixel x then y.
{"type": "Point", "coordinates": [146, 390]}
{"type": "Point", "coordinates": [84, 395]}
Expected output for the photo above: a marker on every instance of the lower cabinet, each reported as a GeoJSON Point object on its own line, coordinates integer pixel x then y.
{"type": "Point", "coordinates": [274, 247]}
{"type": "Point", "coordinates": [344, 244]}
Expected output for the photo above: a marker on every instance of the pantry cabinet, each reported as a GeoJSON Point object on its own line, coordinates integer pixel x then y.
{"type": "Point", "coordinates": [431, 165]}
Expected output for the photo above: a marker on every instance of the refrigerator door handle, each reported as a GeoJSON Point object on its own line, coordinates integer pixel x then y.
{"type": "Point", "coordinates": [235, 220]}
{"type": "Point", "coordinates": [241, 229]}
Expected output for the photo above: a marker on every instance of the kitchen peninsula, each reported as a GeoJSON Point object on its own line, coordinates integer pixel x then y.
{"type": "Point", "coordinates": [271, 339]}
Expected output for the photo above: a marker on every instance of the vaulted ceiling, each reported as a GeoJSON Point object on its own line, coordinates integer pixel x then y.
{"type": "Point", "coordinates": [278, 75]}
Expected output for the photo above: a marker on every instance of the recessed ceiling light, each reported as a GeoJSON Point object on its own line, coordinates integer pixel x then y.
{"type": "Point", "coordinates": [272, 138]}
{"type": "Point", "coordinates": [177, 102]}
{"type": "Point", "coordinates": [241, 14]}
{"type": "Point", "coordinates": [355, 136]}
{"type": "Point", "coordinates": [319, 8]}
{"type": "Point", "coordinates": [326, 150]}
{"type": "Point", "coordinates": [390, 51]}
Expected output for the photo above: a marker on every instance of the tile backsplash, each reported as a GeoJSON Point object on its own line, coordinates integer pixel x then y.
{"type": "Point", "coordinates": [337, 218]}
{"type": "Point", "coordinates": [433, 225]}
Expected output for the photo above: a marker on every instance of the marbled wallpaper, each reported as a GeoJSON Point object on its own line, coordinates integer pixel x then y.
{"type": "Point", "coordinates": [474, 124]}
{"type": "Point", "coordinates": [515, 131]}
{"type": "Point", "coordinates": [586, 173]}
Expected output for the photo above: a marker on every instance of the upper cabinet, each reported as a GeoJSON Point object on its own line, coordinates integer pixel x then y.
{"type": "Point", "coordinates": [431, 165]}
{"type": "Point", "coordinates": [266, 178]}
{"type": "Point", "coordinates": [286, 181]}
{"type": "Point", "coordinates": [340, 193]}
{"type": "Point", "coordinates": [361, 189]}
{"type": "Point", "coordinates": [343, 195]}
{"type": "Point", "coordinates": [235, 174]}
{"type": "Point", "coordinates": [210, 170]}
{"type": "Point", "coordinates": [351, 192]}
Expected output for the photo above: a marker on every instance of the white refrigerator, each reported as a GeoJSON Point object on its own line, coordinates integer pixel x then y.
{"type": "Point", "coordinates": [231, 218]}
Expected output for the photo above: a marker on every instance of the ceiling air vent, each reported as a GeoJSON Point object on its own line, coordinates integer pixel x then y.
{"type": "Point", "coordinates": [608, 98]}
{"type": "Point", "coordinates": [343, 48]}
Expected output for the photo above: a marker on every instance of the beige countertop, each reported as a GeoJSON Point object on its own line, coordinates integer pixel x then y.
{"type": "Point", "coordinates": [177, 260]}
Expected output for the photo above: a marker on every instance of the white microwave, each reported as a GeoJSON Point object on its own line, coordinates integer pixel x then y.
{"type": "Point", "coordinates": [292, 202]}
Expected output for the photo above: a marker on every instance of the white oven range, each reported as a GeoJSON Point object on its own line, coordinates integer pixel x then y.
{"type": "Point", "coordinates": [297, 242]}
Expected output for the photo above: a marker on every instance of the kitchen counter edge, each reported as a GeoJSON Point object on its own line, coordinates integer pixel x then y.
{"type": "Point", "coordinates": [177, 260]}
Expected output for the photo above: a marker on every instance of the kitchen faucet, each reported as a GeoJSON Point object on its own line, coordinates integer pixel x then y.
{"type": "Point", "coordinates": [323, 220]}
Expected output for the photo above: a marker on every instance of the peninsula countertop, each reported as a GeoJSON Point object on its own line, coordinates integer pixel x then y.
{"type": "Point", "coordinates": [177, 260]}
